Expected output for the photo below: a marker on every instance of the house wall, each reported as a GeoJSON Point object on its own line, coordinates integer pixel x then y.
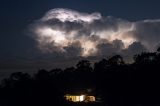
{"type": "Point", "coordinates": [80, 98]}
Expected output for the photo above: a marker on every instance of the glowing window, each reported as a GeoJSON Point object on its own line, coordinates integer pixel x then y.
{"type": "Point", "coordinates": [81, 98]}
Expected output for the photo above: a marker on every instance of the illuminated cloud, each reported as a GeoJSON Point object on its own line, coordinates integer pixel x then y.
{"type": "Point", "coordinates": [148, 33]}
{"type": "Point", "coordinates": [70, 15]}
{"type": "Point", "coordinates": [74, 33]}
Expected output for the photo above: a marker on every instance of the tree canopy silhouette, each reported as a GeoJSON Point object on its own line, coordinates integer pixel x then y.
{"type": "Point", "coordinates": [112, 80]}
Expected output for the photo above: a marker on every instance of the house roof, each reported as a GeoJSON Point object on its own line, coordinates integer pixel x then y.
{"type": "Point", "coordinates": [80, 92]}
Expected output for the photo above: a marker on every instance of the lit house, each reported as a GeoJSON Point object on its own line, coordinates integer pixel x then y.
{"type": "Point", "coordinates": [80, 98]}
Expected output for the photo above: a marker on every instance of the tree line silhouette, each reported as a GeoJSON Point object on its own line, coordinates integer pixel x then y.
{"type": "Point", "coordinates": [112, 80]}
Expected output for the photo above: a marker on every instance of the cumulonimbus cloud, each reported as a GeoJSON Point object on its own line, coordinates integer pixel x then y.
{"type": "Point", "coordinates": [82, 34]}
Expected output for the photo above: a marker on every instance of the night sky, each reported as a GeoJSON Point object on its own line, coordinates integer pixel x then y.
{"type": "Point", "coordinates": [19, 19]}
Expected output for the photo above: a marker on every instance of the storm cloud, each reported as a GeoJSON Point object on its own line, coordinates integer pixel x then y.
{"type": "Point", "coordinates": [72, 33]}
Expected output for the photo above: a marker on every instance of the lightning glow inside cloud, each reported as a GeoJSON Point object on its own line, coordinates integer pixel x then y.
{"type": "Point", "coordinates": [61, 28]}
{"type": "Point", "coordinates": [70, 15]}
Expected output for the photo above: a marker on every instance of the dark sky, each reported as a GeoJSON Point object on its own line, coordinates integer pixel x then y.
{"type": "Point", "coordinates": [16, 15]}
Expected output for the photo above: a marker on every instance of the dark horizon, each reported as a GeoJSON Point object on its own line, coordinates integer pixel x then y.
{"type": "Point", "coordinates": [108, 82]}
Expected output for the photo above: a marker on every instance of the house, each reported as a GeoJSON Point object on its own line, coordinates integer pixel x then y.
{"type": "Point", "coordinates": [80, 98]}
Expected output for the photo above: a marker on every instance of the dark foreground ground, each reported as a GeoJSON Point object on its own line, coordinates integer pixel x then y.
{"type": "Point", "coordinates": [111, 80]}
